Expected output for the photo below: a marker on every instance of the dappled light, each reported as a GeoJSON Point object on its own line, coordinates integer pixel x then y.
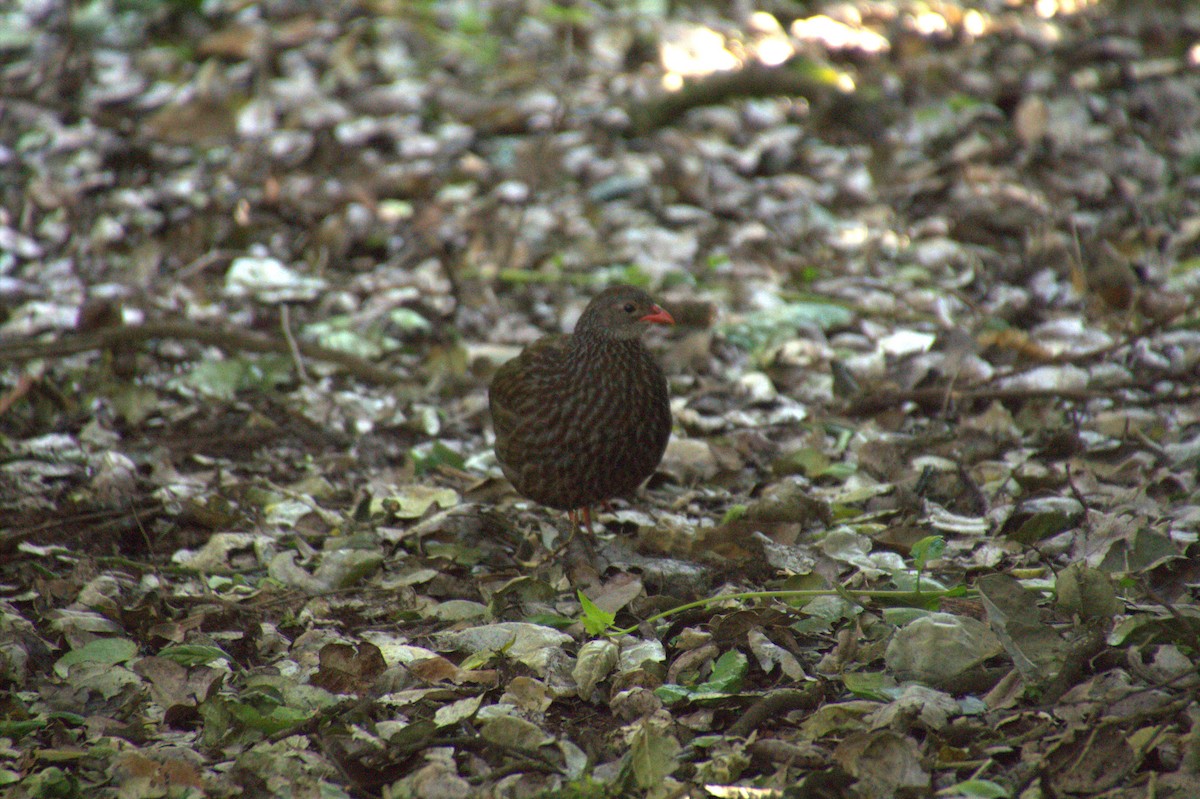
{"type": "Point", "coordinates": [836, 35]}
{"type": "Point", "coordinates": [694, 51]}
{"type": "Point", "coordinates": [1053, 8]}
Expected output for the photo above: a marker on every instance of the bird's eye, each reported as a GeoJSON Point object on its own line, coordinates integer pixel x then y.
{"type": "Point", "coordinates": [630, 307]}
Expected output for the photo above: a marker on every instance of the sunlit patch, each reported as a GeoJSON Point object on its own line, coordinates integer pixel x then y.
{"type": "Point", "coordinates": [773, 52]}
{"type": "Point", "coordinates": [930, 23]}
{"type": "Point", "coordinates": [975, 23]}
{"type": "Point", "coordinates": [835, 35]}
{"type": "Point", "coordinates": [771, 45]}
{"type": "Point", "coordinates": [694, 51]}
{"type": "Point", "coordinates": [1053, 8]}
{"type": "Point", "coordinates": [852, 236]}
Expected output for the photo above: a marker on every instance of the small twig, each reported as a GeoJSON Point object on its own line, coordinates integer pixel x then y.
{"type": "Point", "coordinates": [285, 323]}
{"type": "Point", "coordinates": [206, 260]}
{"type": "Point", "coordinates": [24, 383]}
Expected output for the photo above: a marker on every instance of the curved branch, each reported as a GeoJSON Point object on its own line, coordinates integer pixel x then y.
{"type": "Point", "coordinates": [228, 339]}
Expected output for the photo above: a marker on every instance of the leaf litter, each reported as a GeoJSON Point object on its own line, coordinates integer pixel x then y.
{"type": "Point", "coordinates": [927, 523]}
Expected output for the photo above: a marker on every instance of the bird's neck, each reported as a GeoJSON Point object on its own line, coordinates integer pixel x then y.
{"type": "Point", "coordinates": [589, 350]}
{"type": "Point", "coordinates": [587, 344]}
{"type": "Point", "coordinates": [615, 369]}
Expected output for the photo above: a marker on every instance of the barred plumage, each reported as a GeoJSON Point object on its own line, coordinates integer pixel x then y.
{"type": "Point", "coordinates": [583, 418]}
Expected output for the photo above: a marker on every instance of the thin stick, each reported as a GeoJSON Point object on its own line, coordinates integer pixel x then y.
{"type": "Point", "coordinates": [285, 322]}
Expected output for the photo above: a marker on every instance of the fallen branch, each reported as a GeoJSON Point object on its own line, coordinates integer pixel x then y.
{"type": "Point", "coordinates": [939, 397]}
{"type": "Point", "coordinates": [775, 705]}
{"type": "Point", "coordinates": [798, 77]}
{"type": "Point", "coordinates": [228, 339]}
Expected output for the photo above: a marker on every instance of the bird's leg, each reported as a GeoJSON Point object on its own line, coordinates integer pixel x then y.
{"type": "Point", "coordinates": [583, 568]}
{"type": "Point", "coordinates": [573, 516]}
{"type": "Point", "coordinates": [584, 513]}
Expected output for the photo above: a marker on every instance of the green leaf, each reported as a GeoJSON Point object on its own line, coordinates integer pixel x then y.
{"type": "Point", "coordinates": [409, 320]}
{"type": "Point", "coordinates": [728, 673]}
{"type": "Point", "coordinates": [762, 330]}
{"type": "Point", "coordinates": [734, 513]}
{"type": "Point", "coordinates": [224, 379]}
{"type": "Point", "coordinates": [983, 789]}
{"type": "Point", "coordinates": [1040, 526]}
{"type": "Point", "coordinates": [903, 615]}
{"type": "Point", "coordinates": [413, 501]}
{"type": "Point", "coordinates": [927, 549]}
{"type": "Point", "coordinates": [477, 660]}
{"type": "Point", "coordinates": [51, 782]}
{"type": "Point", "coordinates": [215, 717]}
{"type": "Point", "coordinates": [907, 581]}
{"type": "Point", "coordinates": [1144, 629]}
{"type": "Point", "coordinates": [134, 402]}
{"type": "Point", "coordinates": [672, 694]}
{"type": "Point", "coordinates": [1088, 592]}
{"type": "Point", "coordinates": [336, 333]}
{"type": "Point", "coordinates": [727, 676]}
{"type": "Point", "coordinates": [438, 455]}
{"type": "Point", "coordinates": [413, 736]}
{"type": "Point", "coordinates": [808, 461]}
{"type": "Point", "coordinates": [652, 757]}
{"type": "Point", "coordinates": [634, 275]}
{"type": "Point", "coordinates": [277, 719]}
{"type": "Point", "coordinates": [595, 620]}
{"type": "Point", "coordinates": [19, 729]}
{"type": "Point", "coordinates": [717, 261]}
{"type": "Point", "coordinates": [868, 684]}
{"type": "Point", "coordinates": [550, 620]}
{"type": "Point", "coordinates": [1149, 549]}
{"type": "Point", "coordinates": [109, 651]}
{"type": "Point", "coordinates": [561, 14]}
{"type": "Point", "coordinates": [839, 471]}
{"type": "Point", "coordinates": [194, 654]}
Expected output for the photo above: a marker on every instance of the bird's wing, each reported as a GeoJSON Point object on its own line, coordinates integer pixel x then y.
{"type": "Point", "coordinates": [523, 386]}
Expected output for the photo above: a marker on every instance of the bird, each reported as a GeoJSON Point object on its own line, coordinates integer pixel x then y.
{"type": "Point", "coordinates": [584, 418]}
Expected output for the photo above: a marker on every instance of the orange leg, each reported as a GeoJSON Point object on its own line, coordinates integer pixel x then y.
{"type": "Point", "coordinates": [586, 514]}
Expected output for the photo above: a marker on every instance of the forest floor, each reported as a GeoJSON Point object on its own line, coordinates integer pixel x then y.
{"type": "Point", "coordinates": [928, 521]}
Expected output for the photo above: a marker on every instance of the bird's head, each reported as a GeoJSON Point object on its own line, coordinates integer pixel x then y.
{"type": "Point", "coordinates": [622, 312]}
